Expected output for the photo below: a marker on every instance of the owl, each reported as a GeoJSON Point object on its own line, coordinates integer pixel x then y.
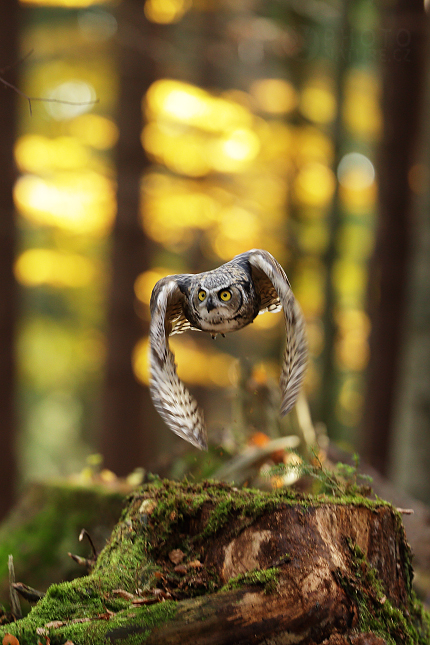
{"type": "Point", "coordinates": [220, 301]}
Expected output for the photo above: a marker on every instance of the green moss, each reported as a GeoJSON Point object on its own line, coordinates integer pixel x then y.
{"type": "Point", "coordinates": [130, 626]}
{"type": "Point", "coordinates": [160, 516]}
{"type": "Point", "coordinates": [407, 626]}
{"type": "Point", "coordinates": [268, 578]}
{"type": "Point", "coordinates": [46, 525]}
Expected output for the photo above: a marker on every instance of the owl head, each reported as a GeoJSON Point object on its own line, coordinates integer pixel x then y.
{"type": "Point", "coordinates": [214, 298]}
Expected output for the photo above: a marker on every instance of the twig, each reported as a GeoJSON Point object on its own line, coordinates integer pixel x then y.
{"type": "Point", "coordinates": [18, 62]}
{"type": "Point", "coordinates": [28, 593]}
{"type": "Point", "coordinates": [45, 100]}
{"type": "Point", "coordinates": [14, 597]}
{"type": "Point", "coordinates": [84, 533]}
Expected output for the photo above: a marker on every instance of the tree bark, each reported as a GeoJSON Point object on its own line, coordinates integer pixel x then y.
{"type": "Point", "coordinates": [403, 79]}
{"type": "Point", "coordinates": [127, 412]}
{"type": "Point", "coordinates": [265, 567]}
{"type": "Point", "coordinates": [9, 55]}
{"type": "Point", "coordinates": [411, 442]}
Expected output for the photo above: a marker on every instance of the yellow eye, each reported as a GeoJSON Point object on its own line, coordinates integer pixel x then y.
{"type": "Point", "coordinates": [201, 295]}
{"type": "Point", "coordinates": [225, 295]}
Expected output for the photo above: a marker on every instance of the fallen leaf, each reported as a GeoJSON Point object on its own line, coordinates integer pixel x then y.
{"type": "Point", "coordinates": [55, 624]}
{"type": "Point", "coordinates": [181, 569]}
{"type": "Point", "coordinates": [9, 639]}
{"type": "Point", "coordinates": [176, 556]}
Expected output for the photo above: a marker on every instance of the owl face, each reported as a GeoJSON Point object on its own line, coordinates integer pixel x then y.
{"type": "Point", "coordinates": [215, 304]}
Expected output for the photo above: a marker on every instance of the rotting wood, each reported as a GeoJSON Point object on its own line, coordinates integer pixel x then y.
{"type": "Point", "coordinates": [256, 568]}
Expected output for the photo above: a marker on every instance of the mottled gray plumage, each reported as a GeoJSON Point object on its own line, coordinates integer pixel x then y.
{"type": "Point", "coordinates": [225, 299]}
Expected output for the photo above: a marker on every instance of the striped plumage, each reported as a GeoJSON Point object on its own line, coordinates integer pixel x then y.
{"type": "Point", "coordinates": [225, 299]}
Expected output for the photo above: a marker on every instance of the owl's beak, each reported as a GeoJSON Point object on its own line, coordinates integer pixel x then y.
{"type": "Point", "coordinates": [210, 304]}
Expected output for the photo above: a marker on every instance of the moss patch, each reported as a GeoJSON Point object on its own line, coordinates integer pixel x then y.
{"type": "Point", "coordinates": [268, 578]}
{"type": "Point", "coordinates": [46, 525]}
{"type": "Point", "coordinates": [137, 565]}
{"type": "Point", "coordinates": [408, 625]}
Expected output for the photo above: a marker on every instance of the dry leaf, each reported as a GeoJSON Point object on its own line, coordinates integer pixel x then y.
{"type": "Point", "coordinates": [9, 639]}
{"type": "Point", "coordinates": [176, 556]}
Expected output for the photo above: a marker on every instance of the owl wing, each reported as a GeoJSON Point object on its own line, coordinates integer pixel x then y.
{"type": "Point", "coordinates": [275, 292]}
{"type": "Point", "coordinates": [171, 398]}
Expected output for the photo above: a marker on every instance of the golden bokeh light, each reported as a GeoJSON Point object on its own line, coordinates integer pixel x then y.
{"type": "Point", "coordinates": [233, 152]}
{"type": "Point", "coordinates": [274, 95]}
{"type": "Point", "coordinates": [36, 267]}
{"type": "Point", "coordinates": [145, 283]}
{"type": "Point", "coordinates": [194, 133]}
{"type": "Point", "coordinates": [191, 105]}
{"type": "Point", "coordinates": [69, 99]}
{"type": "Point", "coordinates": [317, 101]}
{"type": "Point", "coordinates": [349, 279]}
{"type": "Point", "coordinates": [185, 153]}
{"type": "Point", "coordinates": [314, 185]}
{"type": "Point", "coordinates": [268, 320]}
{"type": "Point", "coordinates": [309, 286]}
{"type": "Point", "coordinates": [166, 11]}
{"type": "Point", "coordinates": [310, 144]}
{"type": "Point", "coordinates": [196, 366]}
{"type": "Point", "coordinates": [361, 107]}
{"type": "Point", "coordinates": [80, 202]}
{"type": "Point", "coordinates": [171, 209]}
{"type": "Point", "coordinates": [38, 154]}
{"type": "Point", "coordinates": [362, 201]}
{"type": "Point", "coordinates": [95, 131]}
{"type": "Point", "coordinates": [238, 230]}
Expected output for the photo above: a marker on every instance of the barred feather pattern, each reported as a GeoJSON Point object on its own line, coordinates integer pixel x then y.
{"type": "Point", "coordinates": [296, 352]}
{"type": "Point", "coordinates": [257, 284]}
{"type": "Point", "coordinates": [172, 400]}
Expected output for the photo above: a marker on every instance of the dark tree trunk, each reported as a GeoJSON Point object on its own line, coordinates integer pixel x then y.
{"type": "Point", "coordinates": [127, 410]}
{"type": "Point", "coordinates": [410, 453]}
{"type": "Point", "coordinates": [8, 56]}
{"type": "Point", "coordinates": [403, 49]}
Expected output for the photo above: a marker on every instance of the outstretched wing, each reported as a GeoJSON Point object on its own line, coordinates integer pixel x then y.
{"type": "Point", "coordinates": [275, 292]}
{"type": "Point", "coordinates": [171, 398]}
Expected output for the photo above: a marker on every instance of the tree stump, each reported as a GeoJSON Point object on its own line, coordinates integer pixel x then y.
{"type": "Point", "coordinates": [211, 564]}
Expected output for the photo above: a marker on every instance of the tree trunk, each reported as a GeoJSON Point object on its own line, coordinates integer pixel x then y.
{"type": "Point", "coordinates": [411, 449]}
{"type": "Point", "coordinates": [127, 411]}
{"type": "Point", "coordinates": [265, 567]}
{"type": "Point", "coordinates": [8, 56]}
{"type": "Point", "coordinates": [403, 48]}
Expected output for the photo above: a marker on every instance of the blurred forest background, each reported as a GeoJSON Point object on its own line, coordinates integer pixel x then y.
{"type": "Point", "coordinates": [147, 137]}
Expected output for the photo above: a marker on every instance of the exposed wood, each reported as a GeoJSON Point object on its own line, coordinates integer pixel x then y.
{"type": "Point", "coordinates": [309, 604]}
{"type": "Point", "coordinates": [210, 564]}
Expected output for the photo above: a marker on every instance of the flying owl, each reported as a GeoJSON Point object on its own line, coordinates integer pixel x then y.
{"type": "Point", "coordinates": [219, 301]}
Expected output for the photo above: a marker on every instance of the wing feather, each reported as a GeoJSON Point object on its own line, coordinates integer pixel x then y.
{"type": "Point", "coordinates": [171, 398]}
{"type": "Point", "coordinates": [275, 292]}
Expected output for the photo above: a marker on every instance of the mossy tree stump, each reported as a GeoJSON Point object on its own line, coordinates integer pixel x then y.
{"type": "Point", "coordinates": [211, 564]}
